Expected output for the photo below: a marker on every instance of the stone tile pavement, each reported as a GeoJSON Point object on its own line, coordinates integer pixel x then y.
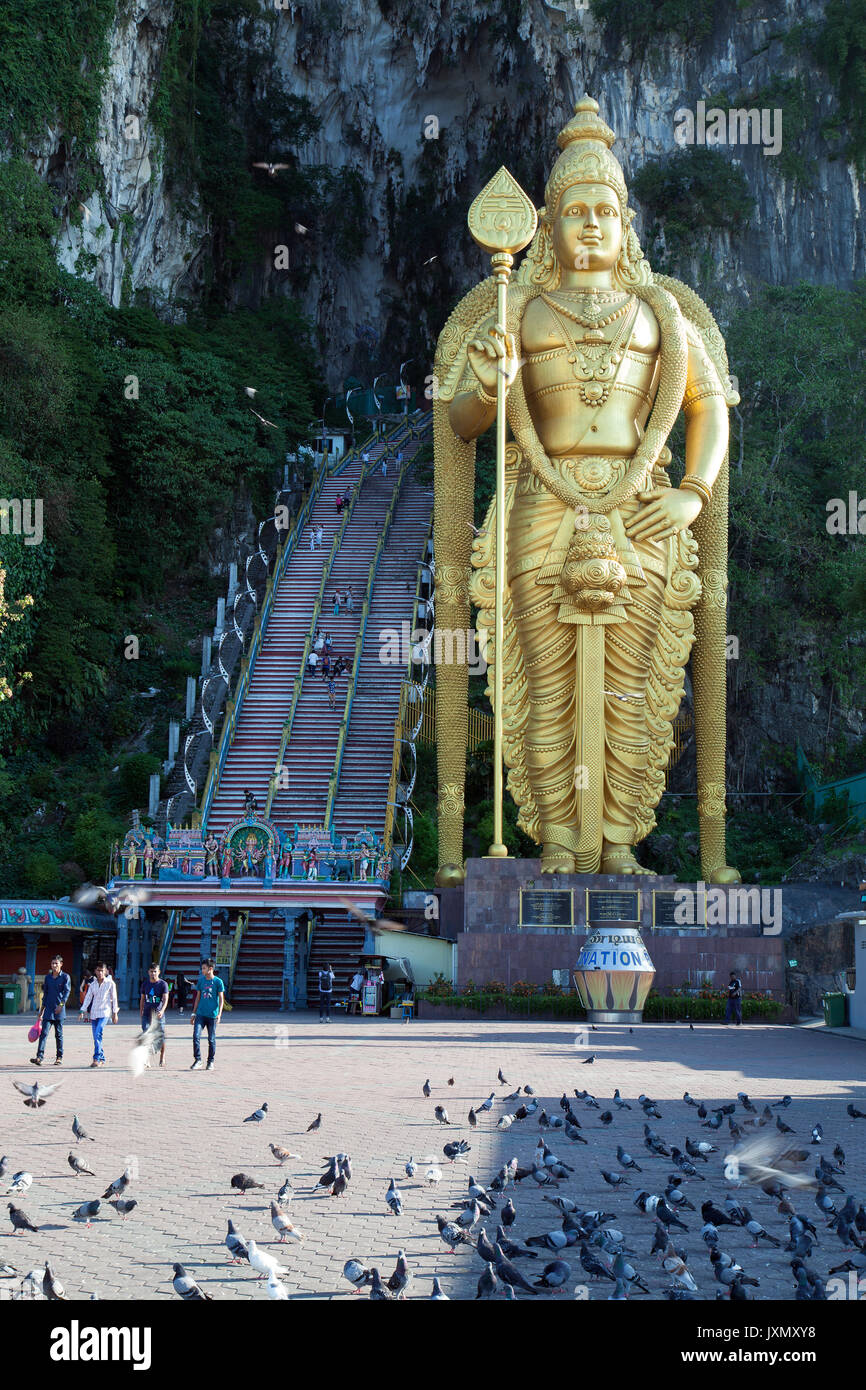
{"type": "Point", "coordinates": [184, 1133]}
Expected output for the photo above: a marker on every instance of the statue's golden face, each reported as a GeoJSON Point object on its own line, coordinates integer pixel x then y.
{"type": "Point", "coordinates": [587, 230]}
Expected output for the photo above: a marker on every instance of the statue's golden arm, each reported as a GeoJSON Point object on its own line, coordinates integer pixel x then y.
{"type": "Point", "coordinates": [706, 415]}
{"type": "Point", "coordinates": [470, 416]}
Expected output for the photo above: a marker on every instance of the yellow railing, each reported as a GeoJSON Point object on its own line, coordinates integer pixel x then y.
{"type": "Point", "coordinates": [240, 928]}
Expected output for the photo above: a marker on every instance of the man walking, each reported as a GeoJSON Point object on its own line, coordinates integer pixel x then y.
{"type": "Point", "coordinates": [312, 538]}
{"type": "Point", "coordinates": [100, 1005]}
{"type": "Point", "coordinates": [55, 992]}
{"type": "Point", "coordinates": [350, 600]}
{"type": "Point", "coordinates": [207, 1008]}
{"type": "Point", "coordinates": [152, 1006]}
{"type": "Point", "coordinates": [319, 534]}
{"type": "Point", "coordinates": [735, 999]}
{"type": "Point", "coordinates": [326, 986]}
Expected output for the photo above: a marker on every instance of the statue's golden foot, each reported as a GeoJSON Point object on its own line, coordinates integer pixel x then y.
{"type": "Point", "coordinates": [725, 875]}
{"type": "Point", "coordinates": [555, 859]}
{"type": "Point", "coordinates": [619, 859]}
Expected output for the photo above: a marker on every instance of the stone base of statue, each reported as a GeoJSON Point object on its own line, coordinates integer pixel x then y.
{"type": "Point", "coordinates": [613, 974]}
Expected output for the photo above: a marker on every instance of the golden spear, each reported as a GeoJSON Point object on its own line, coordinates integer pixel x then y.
{"type": "Point", "coordinates": [503, 221]}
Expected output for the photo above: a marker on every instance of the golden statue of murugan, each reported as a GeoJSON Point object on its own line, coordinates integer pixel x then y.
{"type": "Point", "coordinates": [612, 573]}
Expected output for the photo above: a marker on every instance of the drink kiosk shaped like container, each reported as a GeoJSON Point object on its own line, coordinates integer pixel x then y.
{"type": "Point", "coordinates": [614, 973]}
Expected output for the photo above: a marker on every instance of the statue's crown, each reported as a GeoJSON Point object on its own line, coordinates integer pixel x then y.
{"type": "Point", "coordinates": [585, 144]}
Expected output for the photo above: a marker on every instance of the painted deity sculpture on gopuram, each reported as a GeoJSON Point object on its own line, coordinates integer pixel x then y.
{"type": "Point", "coordinates": [611, 573]}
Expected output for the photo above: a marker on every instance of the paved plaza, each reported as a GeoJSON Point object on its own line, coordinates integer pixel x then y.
{"type": "Point", "coordinates": [184, 1135]}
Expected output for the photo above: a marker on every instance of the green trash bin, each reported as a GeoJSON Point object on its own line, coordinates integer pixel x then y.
{"type": "Point", "coordinates": [834, 1010]}
{"type": "Point", "coordinates": [11, 996]}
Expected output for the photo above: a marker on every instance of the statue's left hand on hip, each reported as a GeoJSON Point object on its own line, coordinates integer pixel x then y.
{"type": "Point", "coordinates": [666, 511]}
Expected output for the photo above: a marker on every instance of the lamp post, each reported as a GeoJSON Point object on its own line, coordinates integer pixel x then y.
{"type": "Point", "coordinates": [348, 411]}
{"type": "Point", "coordinates": [403, 384]}
{"type": "Point", "coordinates": [378, 405]}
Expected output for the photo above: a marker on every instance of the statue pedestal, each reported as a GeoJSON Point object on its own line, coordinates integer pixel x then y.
{"type": "Point", "coordinates": [512, 922]}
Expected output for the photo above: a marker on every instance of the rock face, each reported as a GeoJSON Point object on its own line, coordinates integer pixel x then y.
{"type": "Point", "coordinates": [433, 98]}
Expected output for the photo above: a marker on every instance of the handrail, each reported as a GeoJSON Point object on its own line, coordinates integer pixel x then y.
{"type": "Point", "coordinates": [334, 780]}
{"type": "Point", "coordinates": [388, 836]}
{"type": "Point", "coordinates": [242, 924]}
{"type": "Point", "coordinates": [171, 924]}
{"type": "Point", "coordinates": [273, 781]}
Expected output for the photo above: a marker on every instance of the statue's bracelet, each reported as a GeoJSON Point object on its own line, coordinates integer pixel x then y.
{"type": "Point", "coordinates": [692, 484]}
{"type": "Point", "coordinates": [482, 396]}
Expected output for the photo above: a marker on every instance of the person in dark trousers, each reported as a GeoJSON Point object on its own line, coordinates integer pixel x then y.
{"type": "Point", "coordinates": [152, 1004]}
{"type": "Point", "coordinates": [207, 1008]}
{"type": "Point", "coordinates": [326, 988]}
{"type": "Point", "coordinates": [735, 999]}
{"type": "Point", "coordinates": [55, 992]}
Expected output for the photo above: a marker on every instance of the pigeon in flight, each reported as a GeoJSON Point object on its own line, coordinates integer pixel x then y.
{"type": "Point", "coordinates": [186, 1287]}
{"type": "Point", "coordinates": [257, 1115]}
{"type": "Point", "coordinates": [38, 1094]}
{"type": "Point", "coordinates": [77, 1166]}
{"type": "Point", "coordinates": [453, 1151]}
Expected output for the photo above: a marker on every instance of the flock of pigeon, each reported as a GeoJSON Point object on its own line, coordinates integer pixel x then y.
{"type": "Point", "coordinates": [757, 1155]}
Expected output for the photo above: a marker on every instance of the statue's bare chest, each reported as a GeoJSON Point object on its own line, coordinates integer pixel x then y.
{"type": "Point", "coordinates": [589, 370]}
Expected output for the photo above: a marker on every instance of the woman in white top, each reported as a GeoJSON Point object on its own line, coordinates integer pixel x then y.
{"type": "Point", "coordinates": [100, 1005]}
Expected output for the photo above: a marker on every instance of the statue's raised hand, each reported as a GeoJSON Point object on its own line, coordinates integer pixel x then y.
{"type": "Point", "coordinates": [495, 354]}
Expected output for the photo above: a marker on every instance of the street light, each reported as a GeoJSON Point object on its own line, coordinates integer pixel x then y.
{"type": "Point", "coordinates": [348, 411]}
{"type": "Point", "coordinates": [378, 404]}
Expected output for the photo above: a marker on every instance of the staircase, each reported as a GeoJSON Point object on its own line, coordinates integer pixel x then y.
{"type": "Point", "coordinates": [253, 754]}
{"type": "Point", "coordinates": [366, 769]}
{"type": "Point", "coordinates": [258, 982]}
{"type": "Point", "coordinates": [184, 957]}
{"type": "Point", "coordinates": [309, 759]}
{"type": "Point", "coordinates": [338, 943]}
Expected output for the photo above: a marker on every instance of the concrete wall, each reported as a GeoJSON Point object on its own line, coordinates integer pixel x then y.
{"type": "Point", "coordinates": [429, 955]}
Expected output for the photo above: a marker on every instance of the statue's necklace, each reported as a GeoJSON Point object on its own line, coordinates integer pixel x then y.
{"type": "Point", "coordinates": [593, 315]}
{"type": "Point", "coordinates": [594, 361]}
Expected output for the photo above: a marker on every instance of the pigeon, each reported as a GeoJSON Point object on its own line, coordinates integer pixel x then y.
{"type": "Point", "coordinates": [257, 1115]}
{"type": "Point", "coordinates": [469, 1217]}
{"type": "Point", "coordinates": [451, 1234]}
{"type": "Point", "coordinates": [19, 1218]}
{"type": "Point", "coordinates": [356, 1274]}
{"type": "Point", "coordinates": [839, 1155]}
{"type": "Point", "coordinates": [619, 1102]}
{"type": "Point", "coordinates": [38, 1094]}
{"type": "Point", "coordinates": [77, 1166]}
{"type": "Point", "coordinates": [441, 1115]}
{"type": "Point", "coordinates": [509, 1213]}
{"type": "Point", "coordinates": [124, 1206]}
{"type": "Point", "coordinates": [52, 1287]}
{"type": "Point", "coordinates": [505, 1121]}
{"type": "Point", "coordinates": [488, 1103]}
{"type": "Point", "coordinates": [4, 1165]}
{"type": "Point", "coordinates": [782, 1127]}
{"type": "Point", "coordinates": [402, 1277]}
{"type": "Point", "coordinates": [784, 1103]}
{"type": "Point", "coordinates": [280, 1154]}
{"type": "Point", "coordinates": [473, 1119]}
{"type": "Point", "coordinates": [451, 1081]}
{"type": "Point", "coordinates": [606, 1117]}
{"type": "Point", "coordinates": [851, 1109]}
{"type": "Point", "coordinates": [315, 1124]}
{"type": "Point", "coordinates": [282, 1225]}
{"type": "Point", "coordinates": [746, 1103]}
{"type": "Point", "coordinates": [700, 1150]}
{"type": "Point", "coordinates": [275, 1289]}
{"type": "Point", "coordinates": [244, 1183]}
{"type": "Point", "coordinates": [377, 1288]}
{"type": "Point", "coordinates": [437, 1292]}
{"type": "Point", "coordinates": [87, 1211]}
{"type": "Point", "coordinates": [236, 1245]}
{"type": "Point", "coordinates": [20, 1183]}
{"type": "Point", "coordinates": [454, 1150]}
{"type": "Point", "coordinates": [263, 1262]}
{"type": "Point", "coordinates": [79, 1131]}
{"type": "Point", "coordinates": [554, 1275]}
{"type": "Point", "coordinates": [433, 1175]}
{"type": "Point", "coordinates": [528, 1091]}
{"type": "Point", "coordinates": [689, 1100]}
{"type": "Point", "coordinates": [394, 1199]}
{"type": "Point", "coordinates": [509, 1273]}
{"type": "Point", "coordinates": [425, 1089]}
{"type": "Point", "coordinates": [501, 1079]}
{"type": "Point", "coordinates": [186, 1287]}
{"type": "Point", "coordinates": [757, 1232]}
{"type": "Point", "coordinates": [587, 1061]}
{"type": "Point", "coordinates": [488, 1283]}
{"type": "Point", "coordinates": [613, 1179]}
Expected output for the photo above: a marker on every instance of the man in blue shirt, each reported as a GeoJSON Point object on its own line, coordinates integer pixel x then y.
{"type": "Point", "coordinates": [207, 1010]}
{"type": "Point", "coordinates": [152, 1004]}
{"type": "Point", "coordinates": [55, 992]}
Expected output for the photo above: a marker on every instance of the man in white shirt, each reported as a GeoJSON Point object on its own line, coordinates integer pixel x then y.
{"type": "Point", "coordinates": [100, 1005]}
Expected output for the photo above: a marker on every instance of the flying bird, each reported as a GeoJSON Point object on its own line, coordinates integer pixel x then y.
{"type": "Point", "coordinates": [38, 1094]}
{"type": "Point", "coordinates": [272, 169]}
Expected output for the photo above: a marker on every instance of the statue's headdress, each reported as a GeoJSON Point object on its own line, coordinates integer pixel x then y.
{"type": "Point", "coordinates": [586, 158]}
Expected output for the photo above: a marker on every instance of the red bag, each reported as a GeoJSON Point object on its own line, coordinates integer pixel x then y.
{"type": "Point", "coordinates": [34, 1032]}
